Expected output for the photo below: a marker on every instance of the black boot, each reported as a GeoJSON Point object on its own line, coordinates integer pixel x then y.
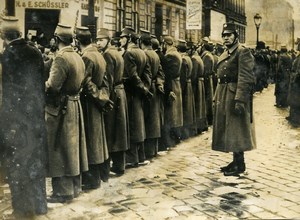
{"type": "Point", "coordinates": [239, 166]}
{"type": "Point", "coordinates": [229, 166]}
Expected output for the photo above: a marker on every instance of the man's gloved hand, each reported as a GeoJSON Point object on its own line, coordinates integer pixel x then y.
{"type": "Point", "coordinates": [172, 96]}
{"type": "Point", "coordinates": [239, 108]}
{"type": "Point", "coordinates": [160, 88]}
{"type": "Point", "coordinates": [147, 93]}
{"type": "Point", "coordinates": [109, 105]}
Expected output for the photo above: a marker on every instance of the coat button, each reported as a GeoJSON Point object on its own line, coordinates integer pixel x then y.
{"type": "Point", "coordinates": [224, 68]}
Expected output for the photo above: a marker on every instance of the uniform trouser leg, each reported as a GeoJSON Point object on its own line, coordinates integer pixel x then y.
{"type": "Point", "coordinates": [136, 153]}
{"type": "Point", "coordinates": [28, 198]}
{"type": "Point", "coordinates": [104, 170]}
{"type": "Point", "coordinates": [151, 147]}
{"type": "Point", "coordinates": [66, 186]}
{"type": "Point", "coordinates": [91, 178]}
{"type": "Point", "coordinates": [118, 159]}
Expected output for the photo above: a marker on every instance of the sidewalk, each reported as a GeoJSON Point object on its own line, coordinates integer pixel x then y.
{"type": "Point", "coordinates": [185, 182]}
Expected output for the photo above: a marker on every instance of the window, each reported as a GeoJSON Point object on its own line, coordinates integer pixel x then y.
{"type": "Point", "coordinates": [177, 24]}
{"type": "Point", "coordinates": [120, 14]}
{"type": "Point", "coordinates": [148, 16]}
{"type": "Point", "coordinates": [135, 15]}
{"type": "Point", "coordinates": [168, 20]}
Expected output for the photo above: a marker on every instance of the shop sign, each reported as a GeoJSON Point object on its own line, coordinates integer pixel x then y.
{"type": "Point", "coordinates": [193, 14]}
{"type": "Point", "coordinates": [85, 7]}
{"type": "Point", "coordinates": [53, 4]}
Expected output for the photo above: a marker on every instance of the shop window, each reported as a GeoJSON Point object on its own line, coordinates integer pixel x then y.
{"type": "Point", "coordinates": [120, 14]}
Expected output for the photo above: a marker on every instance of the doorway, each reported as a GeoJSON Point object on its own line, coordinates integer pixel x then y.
{"type": "Point", "coordinates": [158, 20]}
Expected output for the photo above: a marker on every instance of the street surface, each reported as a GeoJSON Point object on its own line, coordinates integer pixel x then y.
{"type": "Point", "coordinates": [185, 182]}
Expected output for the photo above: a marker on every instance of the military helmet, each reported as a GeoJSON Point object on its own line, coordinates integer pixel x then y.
{"type": "Point", "coordinates": [229, 27]}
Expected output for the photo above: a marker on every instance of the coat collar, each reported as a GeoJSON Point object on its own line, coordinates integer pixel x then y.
{"type": "Point", "coordinates": [170, 50]}
{"type": "Point", "coordinates": [89, 48]}
{"type": "Point", "coordinates": [227, 53]}
{"type": "Point", "coordinates": [66, 49]}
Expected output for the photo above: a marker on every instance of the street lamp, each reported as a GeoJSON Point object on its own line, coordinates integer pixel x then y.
{"type": "Point", "coordinates": [257, 22]}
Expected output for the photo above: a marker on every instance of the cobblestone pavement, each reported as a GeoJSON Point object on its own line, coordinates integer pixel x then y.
{"type": "Point", "coordinates": [185, 182]}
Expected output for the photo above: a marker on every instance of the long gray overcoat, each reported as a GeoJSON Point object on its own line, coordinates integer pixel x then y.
{"type": "Point", "coordinates": [232, 132]}
{"type": "Point", "coordinates": [152, 108]}
{"type": "Point", "coordinates": [137, 76]}
{"type": "Point", "coordinates": [188, 104]}
{"type": "Point", "coordinates": [64, 118]}
{"type": "Point", "coordinates": [116, 120]}
{"type": "Point", "coordinates": [199, 91]}
{"type": "Point", "coordinates": [95, 67]}
{"type": "Point", "coordinates": [171, 66]}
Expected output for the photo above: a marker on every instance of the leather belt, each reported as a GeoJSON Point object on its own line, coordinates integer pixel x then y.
{"type": "Point", "coordinates": [73, 97]}
{"type": "Point", "coordinates": [226, 80]}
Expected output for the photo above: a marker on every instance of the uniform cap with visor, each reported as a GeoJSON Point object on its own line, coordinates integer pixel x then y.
{"type": "Point", "coordinates": [168, 40]}
{"type": "Point", "coordinates": [103, 33]}
{"type": "Point", "coordinates": [83, 32]}
{"type": "Point", "coordinates": [10, 24]}
{"type": "Point", "coordinates": [64, 32]}
{"type": "Point", "coordinates": [229, 28]}
{"type": "Point", "coordinates": [127, 32]}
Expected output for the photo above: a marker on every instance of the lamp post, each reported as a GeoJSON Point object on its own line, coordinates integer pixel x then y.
{"type": "Point", "coordinates": [257, 22]}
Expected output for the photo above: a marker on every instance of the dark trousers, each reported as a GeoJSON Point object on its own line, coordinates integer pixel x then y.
{"type": "Point", "coordinates": [169, 137]}
{"type": "Point", "coordinates": [151, 147]}
{"type": "Point", "coordinates": [95, 174]}
{"type": "Point", "coordinates": [66, 186]}
{"type": "Point", "coordinates": [118, 159]}
{"type": "Point", "coordinates": [28, 198]}
{"type": "Point", "coordinates": [136, 153]}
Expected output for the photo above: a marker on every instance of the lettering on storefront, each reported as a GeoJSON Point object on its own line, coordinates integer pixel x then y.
{"type": "Point", "coordinates": [42, 4]}
{"type": "Point", "coordinates": [85, 7]}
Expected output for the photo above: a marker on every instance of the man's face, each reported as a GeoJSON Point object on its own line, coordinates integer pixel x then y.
{"type": "Point", "coordinates": [102, 43]}
{"type": "Point", "coordinates": [123, 41]}
{"type": "Point", "coordinates": [228, 38]}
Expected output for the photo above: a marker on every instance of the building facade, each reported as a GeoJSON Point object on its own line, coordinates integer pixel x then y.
{"type": "Point", "coordinates": [158, 16]}
{"type": "Point", "coordinates": [277, 25]}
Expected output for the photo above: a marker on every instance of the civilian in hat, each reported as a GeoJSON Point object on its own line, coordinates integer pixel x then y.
{"type": "Point", "coordinates": [188, 104]}
{"type": "Point", "coordinates": [137, 79]}
{"type": "Point", "coordinates": [153, 112]}
{"type": "Point", "coordinates": [208, 60]}
{"type": "Point", "coordinates": [173, 95]}
{"type": "Point", "coordinates": [116, 120]}
{"type": "Point", "coordinates": [233, 128]}
{"type": "Point", "coordinates": [294, 91]}
{"type": "Point", "coordinates": [283, 77]}
{"type": "Point", "coordinates": [23, 130]}
{"type": "Point", "coordinates": [95, 102]}
{"type": "Point", "coordinates": [64, 117]}
{"type": "Point", "coordinates": [197, 78]}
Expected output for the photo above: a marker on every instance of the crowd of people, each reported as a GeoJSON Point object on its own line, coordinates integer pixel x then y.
{"type": "Point", "coordinates": [79, 111]}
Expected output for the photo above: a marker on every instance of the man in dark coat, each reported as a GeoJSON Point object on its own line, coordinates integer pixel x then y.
{"type": "Point", "coordinates": [173, 94]}
{"type": "Point", "coordinates": [283, 78]}
{"type": "Point", "coordinates": [23, 128]}
{"type": "Point", "coordinates": [64, 117]}
{"type": "Point", "coordinates": [95, 101]}
{"type": "Point", "coordinates": [137, 76]}
{"type": "Point", "coordinates": [208, 61]}
{"type": "Point", "coordinates": [188, 104]}
{"type": "Point", "coordinates": [233, 129]}
{"type": "Point", "coordinates": [152, 108]}
{"type": "Point", "coordinates": [116, 120]}
{"type": "Point", "coordinates": [294, 91]}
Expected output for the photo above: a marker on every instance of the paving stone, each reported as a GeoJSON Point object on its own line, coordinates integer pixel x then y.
{"type": "Point", "coordinates": [183, 208]}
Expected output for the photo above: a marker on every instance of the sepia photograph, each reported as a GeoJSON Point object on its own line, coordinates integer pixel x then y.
{"type": "Point", "coordinates": [149, 109]}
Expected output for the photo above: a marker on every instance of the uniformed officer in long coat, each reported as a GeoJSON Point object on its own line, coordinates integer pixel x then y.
{"type": "Point", "coordinates": [137, 76]}
{"type": "Point", "coordinates": [188, 104]}
{"type": "Point", "coordinates": [152, 107]}
{"type": "Point", "coordinates": [208, 61]}
{"type": "Point", "coordinates": [173, 94]}
{"type": "Point", "coordinates": [23, 129]}
{"type": "Point", "coordinates": [116, 120]}
{"type": "Point", "coordinates": [95, 101]}
{"type": "Point", "coordinates": [197, 78]}
{"type": "Point", "coordinates": [64, 117]}
{"type": "Point", "coordinates": [233, 128]}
